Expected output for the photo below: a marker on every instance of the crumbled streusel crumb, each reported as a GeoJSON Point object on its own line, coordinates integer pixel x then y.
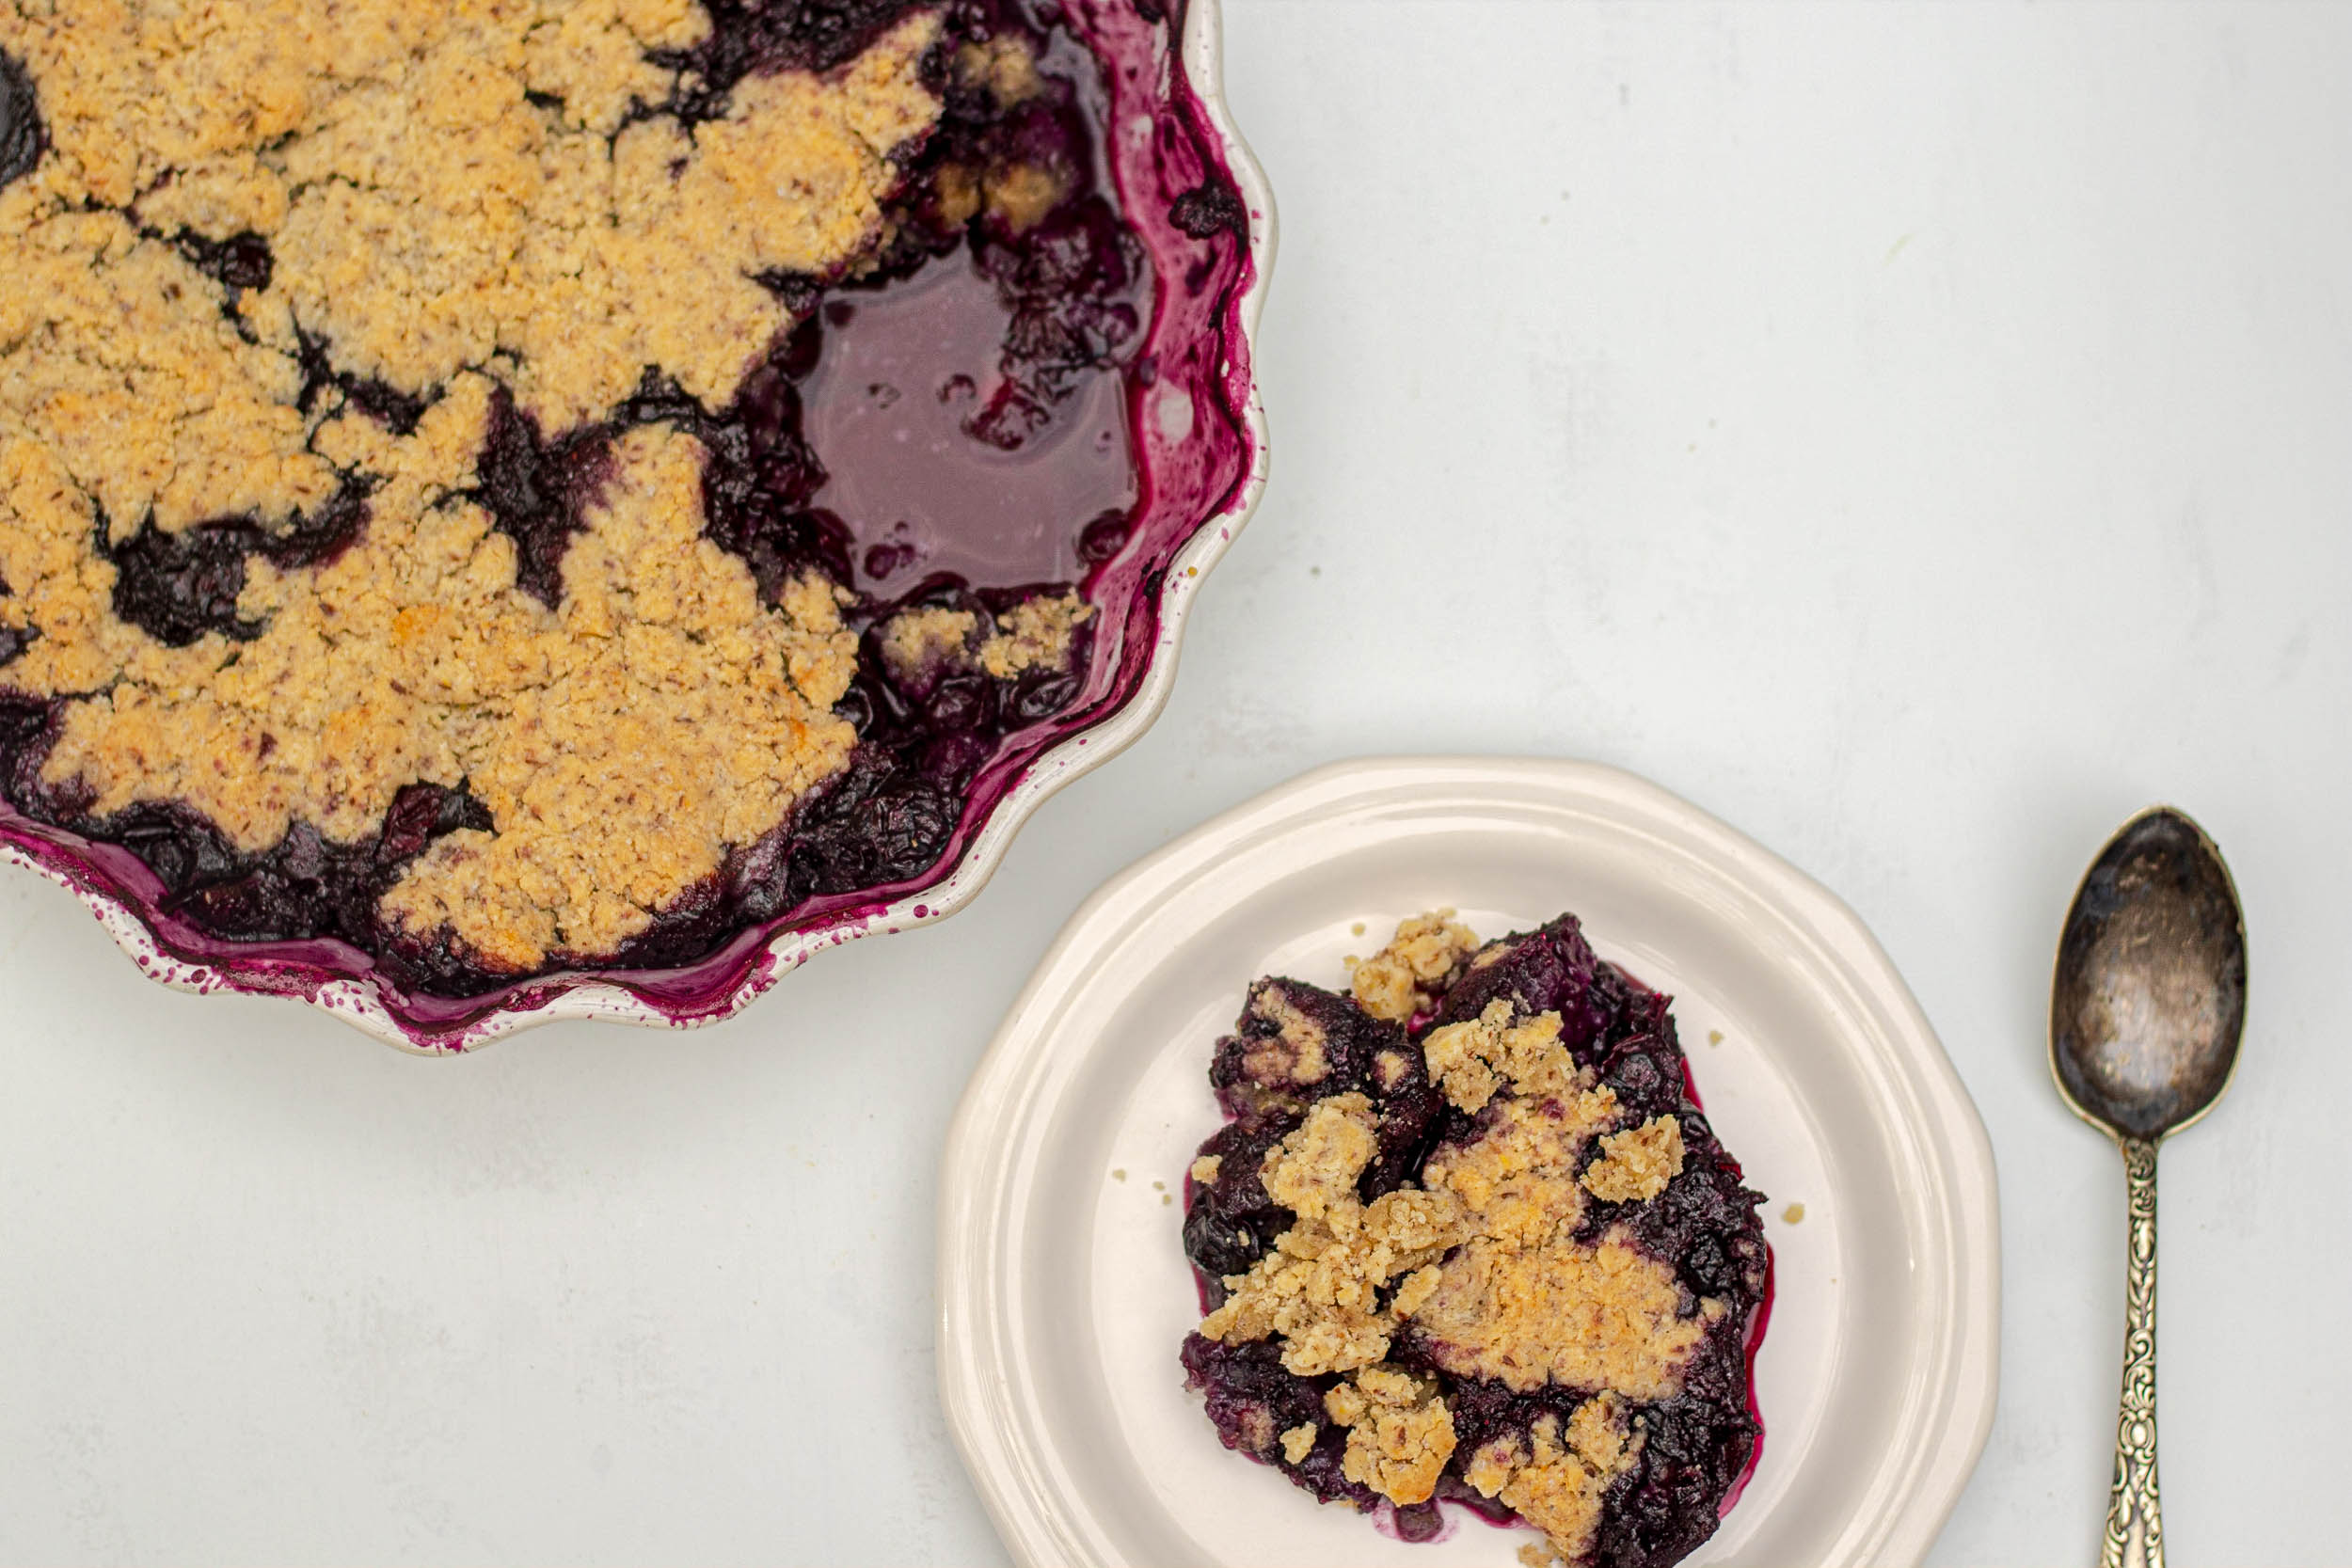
{"type": "Point", "coordinates": [916, 642]}
{"type": "Point", "coordinates": [1004, 66]}
{"type": "Point", "coordinates": [1400, 1435]}
{"type": "Point", "coordinates": [1590, 1317]}
{"type": "Point", "coordinates": [677, 718]}
{"type": "Point", "coordinates": [1417, 1288]}
{"type": "Point", "coordinates": [1022, 195]}
{"type": "Point", "coordinates": [1314, 1169]}
{"type": "Point", "coordinates": [1637, 1162]}
{"type": "Point", "coordinates": [1035, 634]}
{"type": "Point", "coordinates": [1424, 957]}
{"type": "Point", "coordinates": [1205, 1169]}
{"type": "Point", "coordinates": [1257, 1430]}
{"type": "Point", "coordinates": [1299, 1441]}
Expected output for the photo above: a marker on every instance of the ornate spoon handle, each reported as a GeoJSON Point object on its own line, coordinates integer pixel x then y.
{"type": "Point", "coordinates": [2133, 1498]}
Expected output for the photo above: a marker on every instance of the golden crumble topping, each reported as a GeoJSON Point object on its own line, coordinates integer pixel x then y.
{"type": "Point", "coordinates": [1522, 1301]}
{"type": "Point", "coordinates": [1004, 67]}
{"type": "Point", "coordinates": [457, 199]}
{"type": "Point", "coordinates": [1021, 196]}
{"type": "Point", "coordinates": [1318, 1288]}
{"type": "Point", "coordinates": [1206, 1169]}
{"type": "Point", "coordinates": [1427, 951]}
{"type": "Point", "coordinates": [1638, 1162]}
{"type": "Point", "coordinates": [1586, 1316]}
{"type": "Point", "coordinates": [1035, 634]}
{"type": "Point", "coordinates": [1473, 1059]}
{"type": "Point", "coordinates": [1400, 1435]}
{"type": "Point", "coordinates": [1299, 1441]}
{"type": "Point", "coordinates": [1555, 1479]}
{"type": "Point", "coordinates": [915, 642]}
{"type": "Point", "coordinates": [1039, 632]}
{"type": "Point", "coordinates": [1314, 1169]}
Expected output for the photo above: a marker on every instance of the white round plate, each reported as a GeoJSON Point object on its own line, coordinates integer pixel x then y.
{"type": "Point", "coordinates": [1063, 1289]}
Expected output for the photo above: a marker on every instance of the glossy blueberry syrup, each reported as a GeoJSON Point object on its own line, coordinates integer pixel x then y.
{"type": "Point", "coordinates": [931, 460]}
{"type": "Point", "coordinates": [1699, 1446]}
{"type": "Point", "coordinates": [984, 416]}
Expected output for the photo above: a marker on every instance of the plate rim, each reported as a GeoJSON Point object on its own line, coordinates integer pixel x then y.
{"type": "Point", "coordinates": [979, 1167]}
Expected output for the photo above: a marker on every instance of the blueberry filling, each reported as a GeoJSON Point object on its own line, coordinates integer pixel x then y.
{"type": "Point", "coordinates": [21, 138]}
{"type": "Point", "coordinates": [241, 260]}
{"type": "Point", "coordinates": [536, 491]}
{"type": "Point", "coordinates": [1656, 1464]}
{"type": "Point", "coordinates": [758, 37]}
{"type": "Point", "coordinates": [395, 410]}
{"type": "Point", "coordinates": [13, 640]}
{"type": "Point", "coordinates": [177, 587]}
{"type": "Point", "coordinates": [997, 329]}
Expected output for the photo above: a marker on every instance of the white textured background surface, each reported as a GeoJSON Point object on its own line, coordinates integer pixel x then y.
{"type": "Point", "coordinates": [1921, 437]}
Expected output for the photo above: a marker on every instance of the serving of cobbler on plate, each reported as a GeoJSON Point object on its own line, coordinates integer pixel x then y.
{"type": "Point", "coordinates": [498, 488]}
{"type": "Point", "coordinates": [1467, 1236]}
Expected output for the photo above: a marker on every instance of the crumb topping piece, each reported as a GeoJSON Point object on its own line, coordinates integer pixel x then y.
{"type": "Point", "coordinates": [1638, 1162]}
{"type": "Point", "coordinates": [1039, 633]}
{"type": "Point", "coordinates": [1555, 1479]}
{"type": "Point", "coordinates": [1581, 1317]}
{"type": "Point", "coordinates": [456, 202]}
{"type": "Point", "coordinates": [1400, 1435]}
{"type": "Point", "coordinates": [1299, 1441]}
{"type": "Point", "coordinates": [1314, 1169]}
{"type": "Point", "coordinates": [1035, 634]}
{"type": "Point", "coordinates": [1523, 1302]}
{"type": "Point", "coordinates": [919, 643]}
{"type": "Point", "coordinates": [1424, 956]}
{"type": "Point", "coordinates": [1205, 1169]}
{"type": "Point", "coordinates": [1004, 66]}
{"type": "Point", "coordinates": [679, 718]}
{"type": "Point", "coordinates": [1319, 1286]}
{"type": "Point", "coordinates": [1474, 1059]}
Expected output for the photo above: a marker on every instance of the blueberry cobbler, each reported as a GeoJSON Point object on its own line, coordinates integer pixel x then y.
{"type": "Point", "coordinates": [1467, 1236]}
{"type": "Point", "coordinates": [520, 484]}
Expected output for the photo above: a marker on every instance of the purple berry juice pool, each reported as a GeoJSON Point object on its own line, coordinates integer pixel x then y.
{"type": "Point", "coordinates": [1468, 1237]}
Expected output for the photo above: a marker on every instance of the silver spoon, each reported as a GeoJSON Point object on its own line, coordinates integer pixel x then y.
{"type": "Point", "coordinates": [2145, 1015]}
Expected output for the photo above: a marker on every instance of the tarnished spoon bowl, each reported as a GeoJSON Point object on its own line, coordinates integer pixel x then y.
{"type": "Point", "coordinates": [2146, 1011]}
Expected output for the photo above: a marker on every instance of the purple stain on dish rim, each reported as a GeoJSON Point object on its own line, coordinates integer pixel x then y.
{"type": "Point", "coordinates": [1194, 339]}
